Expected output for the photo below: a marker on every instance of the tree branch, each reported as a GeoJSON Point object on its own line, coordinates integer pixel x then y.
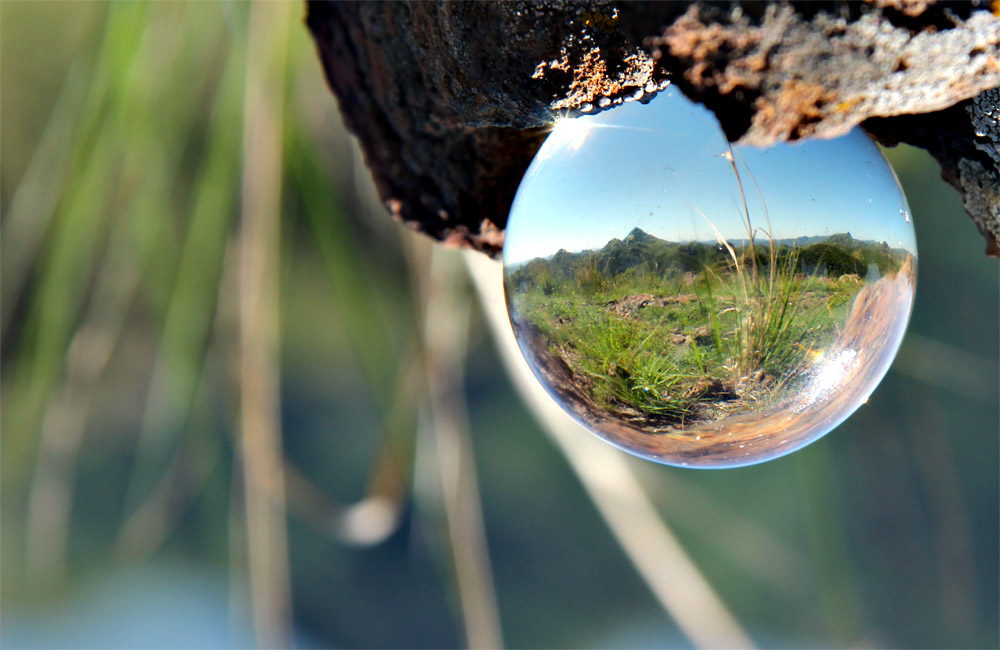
{"type": "Point", "coordinates": [450, 101]}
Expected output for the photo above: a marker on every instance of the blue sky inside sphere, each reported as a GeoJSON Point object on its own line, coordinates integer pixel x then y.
{"type": "Point", "coordinates": [662, 167]}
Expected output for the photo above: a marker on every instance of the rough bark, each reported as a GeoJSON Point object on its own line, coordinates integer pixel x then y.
{"type": "Point", "coordinates": [450, 101]}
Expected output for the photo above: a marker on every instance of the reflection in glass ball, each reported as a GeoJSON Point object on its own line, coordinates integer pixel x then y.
{"type": "Point", "coordinates": [705, 305]}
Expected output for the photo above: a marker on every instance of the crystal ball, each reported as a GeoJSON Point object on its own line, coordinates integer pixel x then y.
{"type": "Point", "coordinates": [704, 304]}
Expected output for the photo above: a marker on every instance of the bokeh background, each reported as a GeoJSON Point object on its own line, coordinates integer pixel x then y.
{"type": "Point", "coordinates": [241, 406]}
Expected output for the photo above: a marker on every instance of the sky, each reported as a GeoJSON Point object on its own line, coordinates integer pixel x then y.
{"type": "Point", "coordinates": [662, 167]}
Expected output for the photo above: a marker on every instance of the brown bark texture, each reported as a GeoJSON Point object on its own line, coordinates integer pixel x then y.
{"type": "Point", "coordinates": [451, 100]}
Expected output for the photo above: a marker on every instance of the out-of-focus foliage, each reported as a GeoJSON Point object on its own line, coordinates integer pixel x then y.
{"type": "Point", "coordinates": [123, 520]}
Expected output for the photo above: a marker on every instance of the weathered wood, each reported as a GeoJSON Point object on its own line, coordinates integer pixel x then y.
{"type": "Point", "coordinates": [450, 101]}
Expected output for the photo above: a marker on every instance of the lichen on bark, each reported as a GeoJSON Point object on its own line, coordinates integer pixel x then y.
{"type": "Point", "coordinates": [450, 101]}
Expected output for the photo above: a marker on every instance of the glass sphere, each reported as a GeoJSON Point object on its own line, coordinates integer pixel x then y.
{"type": "Point", "coordinates": [702, 304]}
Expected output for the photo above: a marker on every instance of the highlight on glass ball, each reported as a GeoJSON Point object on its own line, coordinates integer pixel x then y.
{"type": "Point", "coordinates": [705, 304]}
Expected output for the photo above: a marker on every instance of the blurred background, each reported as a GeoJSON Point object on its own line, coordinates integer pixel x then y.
{"type": "Point", "coordinates": [243, 407]}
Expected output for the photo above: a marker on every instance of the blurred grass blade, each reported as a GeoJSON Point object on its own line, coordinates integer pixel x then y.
{"type": "Point", "coordinates": [66, 147]}
{"type": "Point", "coordinates": [259, 271]}
{"type": "Point", "coordinates": [762, 554]}
{"type": "Point", "coordinates": [946, 366]}
{"type": "Point", "coordinates": [50, 496]}
{"type": "Point", "coordinates": [141, 209]}
{"type": "Point", "coordinates": [353, 290]}
{"type": "Point", "coordinates": [78, 231]}
{"type": "Point", "coordinates": [375, 516]}
{"type": "Point", "coordinates": [445, 326]}
{"type": "Point", "coordinates": [192, 305]}
{"type": "Point", "coordinates": [34, 203]}
{"type": "Point", "coordinates": [374, 336]}
{"type": "Point", "coordinates": [828, 538]}
{"type": "Point", "coordinates": [148, 525]}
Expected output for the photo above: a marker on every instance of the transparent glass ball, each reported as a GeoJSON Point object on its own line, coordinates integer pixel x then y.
{"type": "Point", "coordinates": [702, 304]}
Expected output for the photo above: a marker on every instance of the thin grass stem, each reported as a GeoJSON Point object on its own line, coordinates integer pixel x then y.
{"type": "Point", "coordinates": [445, 330]}
{"type": "Point", "coordinates": [62, 430]}
{"type": "Point", "coordinates": [259, 246]}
